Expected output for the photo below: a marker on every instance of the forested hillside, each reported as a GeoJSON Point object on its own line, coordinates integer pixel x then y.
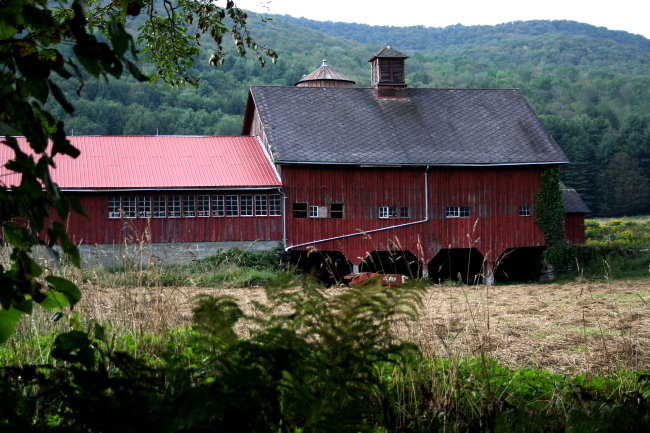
{"type": "Point", "coordinates": [590, 86]}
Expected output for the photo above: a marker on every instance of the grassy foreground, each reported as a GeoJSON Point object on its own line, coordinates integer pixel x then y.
{"type": "Point", "coordinates": [296, 357]}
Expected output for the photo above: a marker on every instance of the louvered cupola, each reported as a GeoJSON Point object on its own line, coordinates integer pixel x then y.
{"type": "Point", "coordinates": [388, 75]}
{"type": "Point", "coordinates": [325, 76]}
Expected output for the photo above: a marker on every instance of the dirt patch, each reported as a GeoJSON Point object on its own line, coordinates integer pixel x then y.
{"type": "Point", "coordinates": [572, 328]}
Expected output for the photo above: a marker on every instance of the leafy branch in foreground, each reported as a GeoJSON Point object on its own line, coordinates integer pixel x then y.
{"type": "Point", "coordinates": [41, 42]}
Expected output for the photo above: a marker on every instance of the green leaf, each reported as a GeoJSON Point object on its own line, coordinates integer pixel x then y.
{"type": "Point", "coordinates": [65, 287]}
{"type": "Point", "coordinates": [8, 321]}
{"type": "Point", "coordinates": [74, 346]}
{"type": "Point", "coordinates": [119, 37]}
{"type": "Point", "coordinates": [60, 97]}
{"type": "Point", "coordinates": [54, 299]}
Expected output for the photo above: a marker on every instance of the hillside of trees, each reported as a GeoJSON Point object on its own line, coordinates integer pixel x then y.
{"type": "Point", "coordinates": [589, 85]}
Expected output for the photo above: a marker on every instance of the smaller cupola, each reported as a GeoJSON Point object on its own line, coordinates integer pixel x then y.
{"type": "Point", "coordinates": [388, 74]}
{"type": "Point", "coordinates": [325, 76]}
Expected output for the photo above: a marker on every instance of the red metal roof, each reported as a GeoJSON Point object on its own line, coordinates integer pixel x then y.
{"type": "Point", "coordinates": [125, 162]}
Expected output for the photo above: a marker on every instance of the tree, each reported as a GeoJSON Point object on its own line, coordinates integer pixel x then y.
{"type": "Point", "coordinates": [627, 191]}
{"type": "Point", "coordinates": [75, 40]}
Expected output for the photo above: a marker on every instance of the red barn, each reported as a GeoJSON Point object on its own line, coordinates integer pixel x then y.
{"type": "Point", "coordinates": [436, 182]}
{"type": "Point", "coordinates": [178, 197]}
{"type": "Point", "coordinates": [415, 181]}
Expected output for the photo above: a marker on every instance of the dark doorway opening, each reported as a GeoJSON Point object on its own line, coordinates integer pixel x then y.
{"type": "Point", "coordinates": [457, 264]}
{"type": "Point", "coordinates": [519, 264]}
{"type": "Point", "coordinates": [392, 262]}
{"type": "Point", "coordinates": [327, 266]}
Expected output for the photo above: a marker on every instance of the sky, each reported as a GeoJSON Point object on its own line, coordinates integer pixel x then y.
{"type": "Point", "coordinates": [630, 15]}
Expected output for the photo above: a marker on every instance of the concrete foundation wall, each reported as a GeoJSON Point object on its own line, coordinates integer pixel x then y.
{"type": "Point", "coordinates": [147, 253]}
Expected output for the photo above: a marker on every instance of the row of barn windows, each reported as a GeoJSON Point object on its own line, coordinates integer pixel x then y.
{"type": "Point", "coordinates": [304, 210]}
{"type": "Point", "coordinates": [189, 206]}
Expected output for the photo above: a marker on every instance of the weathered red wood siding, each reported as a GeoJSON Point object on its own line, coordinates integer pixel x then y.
{"type": "Point", "coordinates": [493, 195]}
{"type": "Point", "coordinates": [97, 228]}
{"type": "Point", "coordinates": [574, 228]}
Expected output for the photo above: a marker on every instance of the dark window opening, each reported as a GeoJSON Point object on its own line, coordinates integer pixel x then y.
{"type": "Point", "coordinates": [336, 210]}
{"type": "Point", "coordinates": [300, 210]}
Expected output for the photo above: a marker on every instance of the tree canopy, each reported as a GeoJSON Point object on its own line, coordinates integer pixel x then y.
{"type": "Point", "coordinates": [44, 43]}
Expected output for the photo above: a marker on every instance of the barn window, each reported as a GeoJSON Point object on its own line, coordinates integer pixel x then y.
{"type": "Point", "coordinates": [456, 212]}
{"type": "Point", "coordinates": [387, 212]}
{"type": "Point", "coordinates": [232, 205]}
{"type": "Point", "coordinates": [313, 211]}
{"type": "Point", "coordinates": [128, 206]}
{"type": "Point", "coordinates": [404, 212]}
{"type": "Point", "coordinates": [189, 209]}
{"type": "Point", "coordinates": [261, 205]}
{"type": "Point", "coordinates": [114, 207]}
{"type": "Point", "coordinates": [275, 205]}
{"type": "Point", "coordinates": [218, 207]}
{"type": "Point", "coordinates": [336, 210]}
{"type": "Point", "coordinates": [524, 210]}
{"type": "Point", "coordinates": [174, 206]}
{"type": "Point", "coordinates": [300, 210]}
{"type": "Point", "coordinates": [246, 205]}
{"type": "Point", "coordinates": [203, 205]}
{"type": "Point", "coordinates": [144, 206]}
{"type": "Point", "coordinates": [159, 208]}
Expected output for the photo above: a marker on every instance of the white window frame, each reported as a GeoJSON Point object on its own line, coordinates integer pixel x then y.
{"type": "Point", "coordinates": [261, 205]}
{"type": "Point", "coordinates": [232, 205]}
{"type": "Point", "coordinates": [457, 212]}
{"type": "Point", "coordinates": [203, 205]}
{"type": "Point", "coordinates": [144, 206]}
{"type": "Point", "coordinates": [159, 208]}
{"type": "Point", "coordinates": [246, 205]}
{"type": "Point", "coordinates": [524, 210]}
{"type": "Point", "coordinates": [386, 212]}
{"type": "Point", "coordinates": [114, 206]}
{"type": "Point", "coordinates": [129, 206]}
{"type": "Point", "coordinates": [275, 205]}
{"type": "Point", "coordinates": [189, 206]}
{"type": "Point", "coordinates": [174, 206]}
{"type": "Point", "coordinates": [217, 206]}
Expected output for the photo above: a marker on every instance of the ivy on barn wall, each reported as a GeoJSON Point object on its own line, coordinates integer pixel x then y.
{"type": "Point", "coordinates": [549, 208]}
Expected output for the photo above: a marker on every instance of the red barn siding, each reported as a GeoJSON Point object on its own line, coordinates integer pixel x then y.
{"type": "Point", "coordinates": [574, 228]}
{"type": "Point", "coordinates": [97, 228]}
{"type": "Point", "coordinates": [493, 194]}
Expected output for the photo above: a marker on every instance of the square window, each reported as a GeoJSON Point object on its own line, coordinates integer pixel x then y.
{"type": "Point", "coordinates": [300, 210]}
{"type": "Point", "coordinates": [261, 205]}
{"type": "Point", "coordinates": [313, 211]}
{"type": "Point", "coordinates": [336, 210]}
{"type": "Point", "coordinates": [203, 205]}
{"type": "Point", "coordinates": [128, 206]}
{"type": "Point", "coordinates": [144, 206]}
{"type": "Point", "coordinates": [188, 206]}
{"type": "Point", "coordinates": [159, 207]}
{"type": "Point", "coordinates": [174, 206]}
{"type": "Point", "coordinates": [246, 205]}
{"type": "Point", "coordinates": [524, 210]}
{"type": "Point", "coordinates": [114, 206]}
{"type": "Point", "coordinates": [218, 206]}
{"type": "Point", "coordinates": [232, 205]}
{"type": "Point", "coordinates": [456, 212]}
{"type": "Point", "coordinates": [404, 212]}
{"type": "Point", "coordinates": [387, 212]}
{"type": "Point", "coordinates": [275, 205]}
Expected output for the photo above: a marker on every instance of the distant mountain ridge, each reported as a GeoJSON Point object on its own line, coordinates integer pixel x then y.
{"type": "Point", "coordinates": [433, 38]}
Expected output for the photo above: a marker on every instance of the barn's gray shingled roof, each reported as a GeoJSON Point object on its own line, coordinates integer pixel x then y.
{"type": "Point", "coordinates": [427, 127]}
{"type": "Point", "coordinates": [573, 202]}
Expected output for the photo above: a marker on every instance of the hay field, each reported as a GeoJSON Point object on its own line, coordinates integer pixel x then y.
{"type": "Point", "coordinates": [571, 328]}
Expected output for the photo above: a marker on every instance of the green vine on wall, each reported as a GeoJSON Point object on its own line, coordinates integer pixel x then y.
{"type": "Point", "coordinates": [549, 208]}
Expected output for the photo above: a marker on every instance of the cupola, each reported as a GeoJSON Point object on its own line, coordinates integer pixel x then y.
{"type": "Point", "coordinates": [388, 75]}
{"type": "Point", "coordinates": [325, 76]}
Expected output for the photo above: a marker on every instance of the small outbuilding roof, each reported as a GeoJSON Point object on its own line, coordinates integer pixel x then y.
{"type": "Point", "coordinates": [437, 127]}
{"type": "Point", "coordinates": [572, 202]}
{"type": "Point", "coordinates": [157, 162]}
